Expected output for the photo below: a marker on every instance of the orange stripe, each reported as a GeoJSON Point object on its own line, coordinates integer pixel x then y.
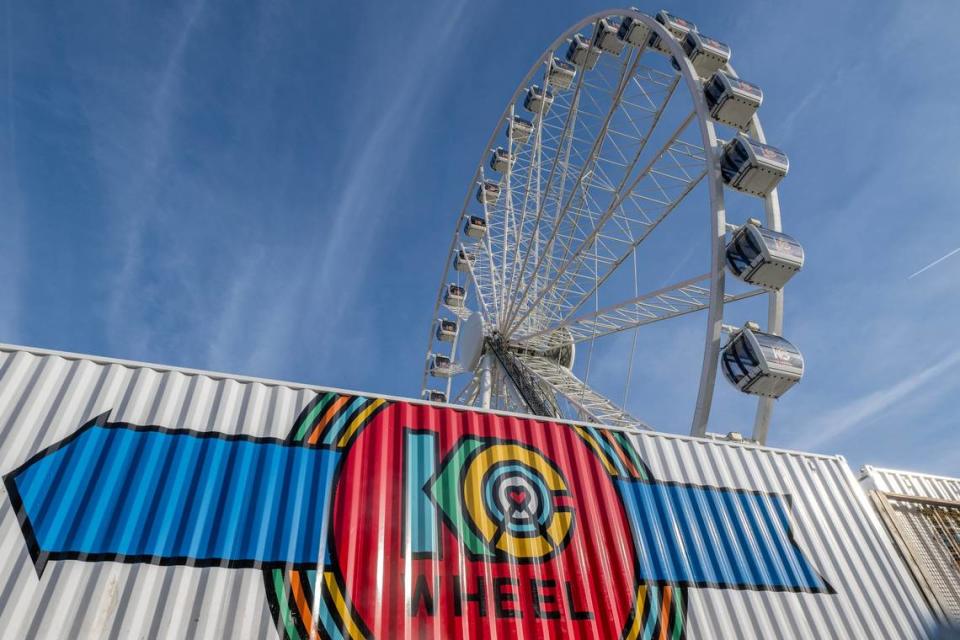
{"type": "Point", "coordinates": [327, 417]}
{"type": "Point", "coordinates": [302, 605]}
{"type": "Point", "coordinates": [665, 613]}
{"type": "Point", "coordinates": [632, 470]}
{"type": "Point", "coordinates": [593, 444]}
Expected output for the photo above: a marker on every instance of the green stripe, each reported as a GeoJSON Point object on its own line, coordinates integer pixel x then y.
{"type": "Point", "coordinates": [308, 421]}
{"type": "Point", "coordinates": [284, 605]}
{"type": "Point", "coordinates": [678, 610]}
{"type": "Point", "coordinates": [631, 453]}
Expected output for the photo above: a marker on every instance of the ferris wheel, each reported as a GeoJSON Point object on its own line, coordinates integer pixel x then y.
{"type": "Point", "coordinates": [623, 123]}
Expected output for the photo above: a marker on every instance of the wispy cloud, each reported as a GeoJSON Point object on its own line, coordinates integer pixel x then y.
{"type": "Point", "coordinates": [933, 264]}
{"type": "Point", "coordinates": [851, 416]}
{"type": "Point", "coordinates": [136, 195]}
{"type": "Point", "coordinates": [336, 269]}
{"type": "Point", "coordinates": [11, 204]}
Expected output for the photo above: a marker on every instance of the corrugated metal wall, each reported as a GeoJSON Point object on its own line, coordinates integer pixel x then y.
{"type": "Point", "coordinates": [911, 483]}
{"type": "Point", "coordinates": [928, 528]}
{"type": "Point", "coordinates": [576, 531]}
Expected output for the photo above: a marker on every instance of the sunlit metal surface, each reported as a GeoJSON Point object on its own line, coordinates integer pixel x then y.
{"type": "Point", "coordinates": [438, 521]}
{"type": "Point", "coordinates": [922, 513]}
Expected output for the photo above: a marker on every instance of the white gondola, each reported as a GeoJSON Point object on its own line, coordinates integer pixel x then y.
{"type": "Point", "coordinates": [677, 26]}
{"type": "Point", "coordinates": [537, 100]}
{"type": "Point", "coordinates": [432, 395]}
{"type": "Point", "coordinates": [519, 129]}
{"type": "Point", "coordinates": [464, 260]}
{"type": "Point", "coordinates": [581, 53]}
{"type": "Point", "coordinates": [475, 227]}
{"type": "Point", "coordinates": [762, 257]}
{"type": "Point", "coordinates": [488, 192]}
{"type": "Point", "coordinates": [605, 37]}
{"type": "Point", "coordinates": [500, 160]}
{"type": "Point", "coordinates": [446, 330]}
{"type": "Point", "coordinates": [761, 364]}
{"type": "Point", "coordinates": [561, 74]}
{"type": "Point", "coordinates": [441, 366]}
{"type": "Point", "coordinates": [633, 31]}
{"type": "Point", "coordinates": [731, 100]}
{"type": "Point", "coordinates": [707, 55]}
{"type": "Point", "coordinates": [454, 295]}
{"type": "Point", "coordinates": [752, 167]}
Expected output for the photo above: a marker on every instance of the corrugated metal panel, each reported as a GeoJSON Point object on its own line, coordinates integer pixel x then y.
{"type": "Point", "coordinates": [922, 513]}
{"type": "Point", "coordinates": [911, 483]}
{"type": "Point", "coordinates": [145, 501]}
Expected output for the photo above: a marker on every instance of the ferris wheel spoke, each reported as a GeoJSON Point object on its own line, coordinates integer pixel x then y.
{"type": "Point", "coordinates": [676, 300]}
{"type": "Point", "coordinates": [634, 206]}
{"type": "Point", "coordinates": [480, 274]}
{"type": "Point", "coordinates": [565, 138]}
{"type": "Point", "coordinates": [628, 68]}
{"type": "Point", "coordinates": [590, 403]}
{"type": "Point", "coordinates": [657, 82]}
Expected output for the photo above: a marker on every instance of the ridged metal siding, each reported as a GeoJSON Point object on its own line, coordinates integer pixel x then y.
{"type": "Point", "coordinates": [45, 397]}
{"type": "Point", "coordinates": [911, 483]}
{"type": "Point", "coordinates": [931, 532]}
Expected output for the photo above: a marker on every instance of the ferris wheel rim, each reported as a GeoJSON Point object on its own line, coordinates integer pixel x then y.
{"type": "Point", "coordinates": [712, 148]}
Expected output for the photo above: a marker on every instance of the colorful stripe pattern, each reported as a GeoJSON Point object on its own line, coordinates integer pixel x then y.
{"type": "Point", "coordinates": [334, 420]}
{"type": "Point", "coordinates": [303, 603]}
{"type": "Point", "coordinates": [660, 609]}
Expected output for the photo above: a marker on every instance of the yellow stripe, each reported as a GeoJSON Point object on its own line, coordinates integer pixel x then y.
{"type": "Point", "coordinates": [358, 421]}
{"type": "Point", "coordinates": [353, 631]}
{"type": "Point", "coordinates": [598, 450]}
{"type": "Point", "coordinates": [637, 624]}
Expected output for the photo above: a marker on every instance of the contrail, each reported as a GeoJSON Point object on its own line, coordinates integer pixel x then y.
{"type": "Point", "coordinates": [934, 263]}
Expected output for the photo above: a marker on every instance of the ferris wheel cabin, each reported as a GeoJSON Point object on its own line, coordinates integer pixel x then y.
{"type": "Point", "coordinates": [707, 55]}
{"type": "Point", "coordinates": [454, 295]}
{"type": "Point", "coordinates": [441, 366]}
{"type": "Point", "coordinates": [446, 330]}
{"type": "Point", "coordinates": [763, 257]}
{"type": "Point", "coordinates": [753, 167]}
{"type": "Point", "coordinates": [537, 100]}
{"type": "Point", "coordinates": [519, 129]}
{"type": "Point", "coordinates": [677, 26]}
{"type": "Point", "coordinates": [731, 100]}
{"type": "Point", "coordinates": [561, 73]}
{"type": "Point", "coordinates": [475, 227]}
{"type": "Point", "coordinates": [488, 192]}
{"type": "Point", "coordinates": [605, 37]}
{"type": "Point", "coordinates": [633, 31]}
{"type": "Point", "coordinates": [464, 260]}
{"type": "Point", "coordinates": [500, 160]}
{"type": "Point", "coordinates": [581, 53]}
{"type": "Point", "coordinates": [761, 364]}
{"type": "Point", "coordinates": [432, 395]}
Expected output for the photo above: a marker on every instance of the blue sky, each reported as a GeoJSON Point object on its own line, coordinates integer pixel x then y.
{"type": "Point", "coordinates": [269, 189]}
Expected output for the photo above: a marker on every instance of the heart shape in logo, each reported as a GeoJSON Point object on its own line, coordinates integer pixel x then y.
{"type": "Point", "coordinates": [517, 495]}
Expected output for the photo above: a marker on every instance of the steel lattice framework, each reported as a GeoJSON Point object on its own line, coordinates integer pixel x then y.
{"type": "Point", "coordinates": [614, 155]}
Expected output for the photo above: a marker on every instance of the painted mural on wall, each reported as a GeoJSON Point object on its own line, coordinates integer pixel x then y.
{"type": "Point", "coordinates": [376, 519]}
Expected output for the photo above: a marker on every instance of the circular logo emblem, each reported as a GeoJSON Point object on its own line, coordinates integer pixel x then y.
{"type": "Point", "coordinates": [516, 501]}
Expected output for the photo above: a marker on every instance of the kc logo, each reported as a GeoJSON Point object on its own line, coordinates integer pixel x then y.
{"type": "Point", "coordinates": [376, 519]}
{"type": "Point", "coordinates": [504, 500]}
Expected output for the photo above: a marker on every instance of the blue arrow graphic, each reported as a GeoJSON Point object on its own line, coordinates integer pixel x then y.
{"type": "Point", "coordinates": [713, 537]}
{"type": "Point", "coordinates": [115, 491]}
{"type": "Point", "coordinates": [147, 494]}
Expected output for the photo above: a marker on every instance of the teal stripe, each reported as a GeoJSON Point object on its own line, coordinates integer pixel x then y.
{"type": "Point", "coordinates": [326, 617]}
{"type": "Point", "coordinates": [614, 458]}
{"type": "Point", "coordinates": [653, 595]}
{"type": "Point", "coordinates": [333, 431]}
{"type": "Point", "coordinates": [421, 515]}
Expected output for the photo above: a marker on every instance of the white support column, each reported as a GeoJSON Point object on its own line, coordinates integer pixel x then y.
{"type": "Point", "coordinates": [486, 373]}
